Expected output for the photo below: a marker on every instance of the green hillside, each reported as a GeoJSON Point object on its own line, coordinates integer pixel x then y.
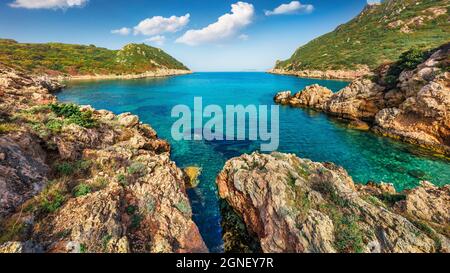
{"type": "Point", "coordinates": [378, 35]}
{"type": "Point", "coordinates": [57, 58]}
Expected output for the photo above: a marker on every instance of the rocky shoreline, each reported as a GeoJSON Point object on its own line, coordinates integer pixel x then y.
{"type": "Point", "coordinates": [289, 204]}
{"type": "Point", "coordinates": [76, 179]}
{"type": "Point", "coordinates": [327, 74]}
{"type": "Point", "coordinates": [415, 110]}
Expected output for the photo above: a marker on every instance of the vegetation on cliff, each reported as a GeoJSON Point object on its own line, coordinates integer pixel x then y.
{"type": "Point", "coordinates": [57, 58]}
{"type": "Point", "coordinates": [378, 35]}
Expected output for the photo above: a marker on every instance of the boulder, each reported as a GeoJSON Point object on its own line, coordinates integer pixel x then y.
{"type": "Point", "coordinates": [127, 120]}
{"type": "Point", "coordinates": [291, 204]}
{"type": "Point", "coordinates": [282, 97]}
{"type": "Point", "coordinates": [429, 203]}
{"type": "Point", "coordinates": [362, 100]}
{"type": "Point", "coordinates": [314, 96]}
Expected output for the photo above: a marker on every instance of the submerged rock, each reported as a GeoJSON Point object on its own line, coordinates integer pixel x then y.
{"type": "Point", "coordinates": [193, 173]}
{"type": "Point", "coordinates": [291, 204]}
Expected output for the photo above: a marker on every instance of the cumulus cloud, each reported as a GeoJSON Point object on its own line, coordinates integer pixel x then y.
{"type": "Point", "coordinates": [157, 40]}
{"type": "Point", "coordinates": [47, 4]}
{"type": "Point", "coordinates": [228, 25]}
{"type": "Point", "coordinates": [293, 7]}
{"type": "Point", "coordinates": [372, 2]}
{"type": "Point", "coordinates": [158, 24]}
{"type": "Point", "coordinates": [121, 31]}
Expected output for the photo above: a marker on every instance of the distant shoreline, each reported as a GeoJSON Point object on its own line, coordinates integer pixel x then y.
{"type": "Point", "coordinates": [149, 74]}
{"type": "Point", "coordinates": [348, 75]}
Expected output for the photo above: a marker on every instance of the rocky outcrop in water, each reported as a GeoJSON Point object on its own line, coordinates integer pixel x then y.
{"type": "Point", "coordinates": [291, 204]}
{"type": "Point", "coordinates": [76, 179]}
{"type": "Point", "coordinates": [416, 109]}
{"type": "Point", "coordinates": [314, 96]}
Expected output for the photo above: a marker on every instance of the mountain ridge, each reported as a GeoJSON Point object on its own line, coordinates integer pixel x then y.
{"type": "Point", "coordinates": [59, 59]}
{"type": "Point", "coordinates": [378, 35]}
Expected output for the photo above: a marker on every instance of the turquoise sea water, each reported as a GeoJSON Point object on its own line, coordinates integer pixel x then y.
{"type": "Point", "coordinates": [306, 133]}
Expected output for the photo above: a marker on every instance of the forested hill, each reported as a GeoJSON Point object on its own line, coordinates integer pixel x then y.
{"type": "Point", "coordinates": [379, 34]}
{"type": "Point", "coordinates": [69, 59]}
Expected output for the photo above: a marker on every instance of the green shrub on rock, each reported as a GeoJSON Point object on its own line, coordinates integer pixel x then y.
{"type": "Point", "coordinates": [81, 190]}
{"type": "Point", "coordinates": [71, 168]}
{"type": "Point", "coordinates": [52, 201]}
{"type": "Point", "coordinates": [136, 168]}
{"type": "Point", "coordinates": [409, 60]}
{"type": "Point", "coordinates": [349, 238]}
{"type": "Point", "coordinates": [73, 114]}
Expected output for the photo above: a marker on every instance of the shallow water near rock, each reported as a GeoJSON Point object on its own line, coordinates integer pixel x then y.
{"type": "Point", "coordinates": [307, 133]}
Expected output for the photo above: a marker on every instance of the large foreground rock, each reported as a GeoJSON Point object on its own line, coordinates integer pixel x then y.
{"type": "Point", "coordinates": [69, 187]}
{"type": "Point", "coordinates": [296, 205]}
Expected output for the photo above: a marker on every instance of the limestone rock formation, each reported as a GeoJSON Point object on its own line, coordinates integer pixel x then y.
{"type": "Point", "coordinates": [74, 179]}
{"type": "Point", "coordinates": [295, 205]}
{"type": "Point", "coordinates": [23, 172]}
{"type": "Point", "coordinates": [314, 96]}
{"type": "Point", "coordinates": [415, 110]}
{"type": "Point", "coordinates": [429, 203]}
{"type": "Point", "coordinates": [283, 97]}
{"type": "Point", "coordinates": [362, 99]}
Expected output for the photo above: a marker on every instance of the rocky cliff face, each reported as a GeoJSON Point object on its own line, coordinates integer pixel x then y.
{"type": "Point", "coordinates": [295, 205]}
{"type": "Point", "coordinates": [76, 179]}
{"type": "Point", "coordinates": [416, 109]}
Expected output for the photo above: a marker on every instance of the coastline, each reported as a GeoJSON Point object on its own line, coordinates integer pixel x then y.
{"type": "Point", "coordinates": [414, 110]}
{"type": "Point", "coordinates": [149, 74]}
{"type": "Point", "coordinates": [328, 74]}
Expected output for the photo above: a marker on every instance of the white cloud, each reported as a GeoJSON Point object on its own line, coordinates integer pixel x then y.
{"type": "Point", "coordinates": [47, 4]}
{"type": "Point", "coordinates": [121, 31]}
{"type": "Point", "coordinates": [243, 37]}
{"type": "Point", "coordinates": [293, 7]}
{"type": "Point", "coordinates": [372, 2]}
{"type": "Point", "coordinates": [157, 40]}
{"type": "Point", "coordinates": [158, 24]}
{"type": "Point", "coordinates": [226, 26]}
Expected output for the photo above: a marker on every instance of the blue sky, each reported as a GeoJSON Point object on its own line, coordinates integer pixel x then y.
{"type": "Point", "coordinates": [253, 35]}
